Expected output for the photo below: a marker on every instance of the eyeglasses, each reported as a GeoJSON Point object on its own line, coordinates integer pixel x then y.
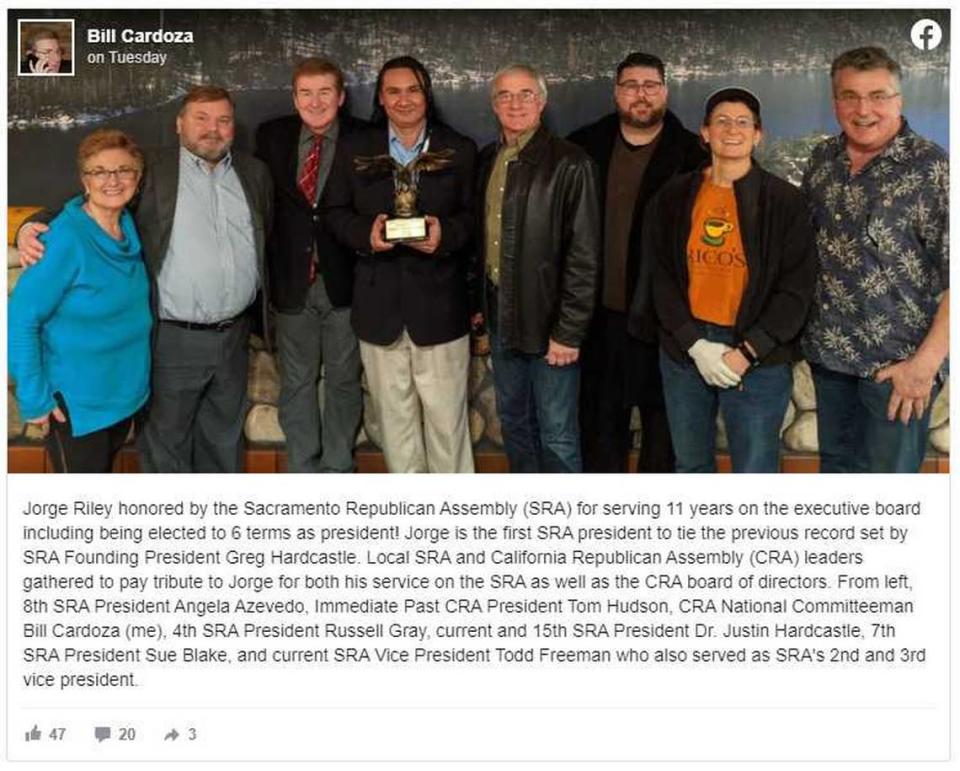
{"type": "Point", "coordinates": [524, 97]}
{"type": "Point", "coordinates": [124, 174]}
{"type": "Point", "coordinates": [726, 122]}
{"type": "Point", "coordinates": [649, 87]}
{"type": "Point", "coordinates": [874, 98]}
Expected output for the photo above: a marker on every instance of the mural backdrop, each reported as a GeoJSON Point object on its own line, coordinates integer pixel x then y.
{"type": "Point", "coordinates": [784, 56]}
{"type": "Point", "coordinates": [133, 67]}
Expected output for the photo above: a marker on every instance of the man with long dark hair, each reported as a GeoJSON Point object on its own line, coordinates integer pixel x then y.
{"type": "Point", "coordinates": [410, 307]}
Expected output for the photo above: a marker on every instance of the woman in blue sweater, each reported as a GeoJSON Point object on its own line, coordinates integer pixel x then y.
{"type": "Point", "coordinates": [79, 320]}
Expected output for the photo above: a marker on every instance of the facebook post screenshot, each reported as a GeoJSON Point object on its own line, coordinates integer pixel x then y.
{"type": "Point", "coordinates": [478, 387]}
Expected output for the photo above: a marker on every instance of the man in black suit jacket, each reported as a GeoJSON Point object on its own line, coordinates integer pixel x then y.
{"type": "Point", "coordinates": [637, 149]}
{"type": "Point", "coordinates": [205, 276]}
{"type": "Point", "coordinates": [311, 275]}
{"type": "Point", "coordinates": [410, 307]}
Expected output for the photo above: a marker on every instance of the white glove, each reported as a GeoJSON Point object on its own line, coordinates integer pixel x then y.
{"type": "Point", "coordinates": [709, 360]}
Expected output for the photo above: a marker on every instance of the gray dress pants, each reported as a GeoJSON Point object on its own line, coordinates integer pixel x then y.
{"type": "Point", "coordinates": [319, 336]}
{"type": "Point", "coordinates": [198, 400]}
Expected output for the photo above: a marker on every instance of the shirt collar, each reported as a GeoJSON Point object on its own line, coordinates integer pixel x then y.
{"type": "Point", "coordinates": [222, 165]}
{"type": "Point", "coordinates": [330, 135]}
{"type": "Point", "coordinates": [897, 150]}
{"type": "Point", "coordinates": [522, 140]}
{"type": "Point", "coordinates": [396, 142]}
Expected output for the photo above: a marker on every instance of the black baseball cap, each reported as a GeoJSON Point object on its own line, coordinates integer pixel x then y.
{"type": "Point", "coordinates": [732, 94]}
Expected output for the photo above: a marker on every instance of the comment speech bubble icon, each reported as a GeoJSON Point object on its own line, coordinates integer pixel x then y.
{"type": "Point", "coordinates": [101, 732]}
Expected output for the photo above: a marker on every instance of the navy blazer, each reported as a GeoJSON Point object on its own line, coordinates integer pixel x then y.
{"type": "Point", "coordinates": [298, 226]}
{"type": "Point", "coordinates": [404, 288]}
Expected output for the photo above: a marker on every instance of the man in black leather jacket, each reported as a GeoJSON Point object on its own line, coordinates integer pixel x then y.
{"type": "Point", "coordinates": [540, 241]}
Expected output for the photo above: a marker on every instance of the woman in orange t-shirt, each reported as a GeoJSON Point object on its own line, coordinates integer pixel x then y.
{"type": "Point", "coordinates": [733, 280]}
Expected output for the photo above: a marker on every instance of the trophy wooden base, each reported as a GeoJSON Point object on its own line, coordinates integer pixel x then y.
{"type": "Point", "coordinates": [400, 229]}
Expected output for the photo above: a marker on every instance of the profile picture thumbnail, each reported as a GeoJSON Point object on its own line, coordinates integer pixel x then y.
{"type": "Point", "coordinates": [46, 47]}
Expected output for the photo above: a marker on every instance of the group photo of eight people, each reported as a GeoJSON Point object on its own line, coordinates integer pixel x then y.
{"type": "Point", "coordinates": [636, 263]}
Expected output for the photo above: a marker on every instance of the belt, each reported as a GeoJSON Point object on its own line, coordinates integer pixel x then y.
{"type": "Point", "coordinates": [216, 326]}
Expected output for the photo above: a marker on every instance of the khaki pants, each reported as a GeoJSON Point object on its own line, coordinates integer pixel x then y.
{"type": "Point", "coordinates": [420, 393]}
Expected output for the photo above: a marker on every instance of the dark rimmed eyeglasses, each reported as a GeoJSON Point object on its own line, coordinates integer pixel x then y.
{"type": "Point", "coordinates": [634, 87]}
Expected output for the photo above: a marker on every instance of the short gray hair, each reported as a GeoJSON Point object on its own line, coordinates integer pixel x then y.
{"type": "Point", "coordinates": [520, 69]}
{"type": "Point", "coordinates": [866, 58]}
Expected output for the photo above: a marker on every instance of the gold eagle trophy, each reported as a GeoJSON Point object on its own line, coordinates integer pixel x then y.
{"type": "Point", "coordinates": [406, 223]}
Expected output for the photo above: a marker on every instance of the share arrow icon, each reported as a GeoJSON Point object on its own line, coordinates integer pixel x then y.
{"type": "Point", "coordinates": [172, 735]}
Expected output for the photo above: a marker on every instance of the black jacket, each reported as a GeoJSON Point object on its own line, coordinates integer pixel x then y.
{"type": "Point", "coordinates": [426, 293]}
{"type": "Point", "coordinates": [678, 151]}
{"type": "Point", "coordinates": [549, 246]}
{"type": "Point", "coordinates": [298, 226]}
{"type": "Point", "coordinates": [778, 244]}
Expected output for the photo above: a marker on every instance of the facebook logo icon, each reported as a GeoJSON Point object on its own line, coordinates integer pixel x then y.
{"type": "Point", "coordinates": [926, 34]}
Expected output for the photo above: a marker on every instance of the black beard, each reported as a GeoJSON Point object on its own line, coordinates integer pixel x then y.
{"type": "Point", "coordinates": [655, 119]}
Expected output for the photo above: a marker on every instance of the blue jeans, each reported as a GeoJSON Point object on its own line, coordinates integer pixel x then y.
{"type": "Point", "coordinates": [854, 433]}
{"type": "Point", "coordinates": [752, 414]}
{"type": "Point", "coordinates": [537, 405]}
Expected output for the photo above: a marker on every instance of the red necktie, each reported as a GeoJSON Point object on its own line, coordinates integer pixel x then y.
{"type": "Point", "coordinates": [311, 168]}
{"type": "Point", "coordinates": [308, 186]}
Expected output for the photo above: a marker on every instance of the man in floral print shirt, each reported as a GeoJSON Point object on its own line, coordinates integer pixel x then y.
{"type": "Point", "coordinates": [877, 338]}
